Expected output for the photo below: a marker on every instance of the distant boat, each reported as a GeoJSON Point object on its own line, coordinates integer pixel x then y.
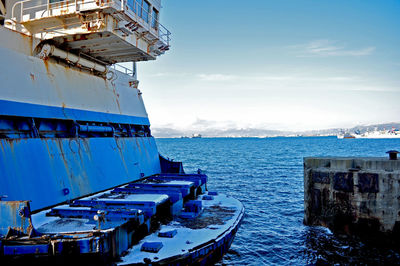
{"type": "Point", "coordinates": [196, 136]}
{"type": "Point", "coordinates": [376, 134]}
{"type": "Point", "coordinates": [346, 136]}
{"type": "Point", "coordinates": [383, 134]}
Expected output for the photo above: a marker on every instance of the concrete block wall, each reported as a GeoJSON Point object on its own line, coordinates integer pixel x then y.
{"type": "Point", "coordinates": [353, 195]}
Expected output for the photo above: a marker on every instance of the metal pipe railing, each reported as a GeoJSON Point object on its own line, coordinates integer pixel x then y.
{"type": "Point", "coordinates": [123, 69]}
{"type": "Point", "coordinates": [21, 3]}
{"type": "Point", "coordinates": [48, 6]}
{"type": "Point", "coordinates": [151, 22]}
{"type": "Point", "coordinates": [136, 10]}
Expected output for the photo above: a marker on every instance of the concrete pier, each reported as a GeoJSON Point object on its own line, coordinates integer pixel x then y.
{"type": "Point", "coordinates": [355, 196]}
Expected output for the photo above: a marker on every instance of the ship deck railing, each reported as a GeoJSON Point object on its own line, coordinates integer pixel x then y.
{"type": "Point", "coordinates": [132, 9]}
{"type": "Point", "coordinates": [123, 69]}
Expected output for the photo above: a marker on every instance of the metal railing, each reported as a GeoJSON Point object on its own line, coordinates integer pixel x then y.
{"type": "Point", "coordinates": [48, 7]}
{"type": "Point", "coordinates": [20, 3]}
{"type": "Point", "coordinates": [131, 8]}
{"type": "Point", "coordinates": [137, 10]}
{"type": "Point", "coordinates": [125, 70]}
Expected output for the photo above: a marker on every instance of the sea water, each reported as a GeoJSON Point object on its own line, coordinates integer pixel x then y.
{"type": "Point", "coordinates": [266, 174]}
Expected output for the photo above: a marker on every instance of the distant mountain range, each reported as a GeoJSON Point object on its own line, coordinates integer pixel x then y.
{"type": "Point", "coordinates": [234, 132]}
{"type": "Point", "coordinates": [166, 132]}
{"type": "Point", "coordinates": [361, 129]}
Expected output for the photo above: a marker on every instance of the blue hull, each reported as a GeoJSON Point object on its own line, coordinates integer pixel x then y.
{"type": "Point", "coordinates": [64, 169]}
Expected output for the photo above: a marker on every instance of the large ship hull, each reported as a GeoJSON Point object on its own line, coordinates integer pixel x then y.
{"type": "Point", "coordinates": [58, 99]}
{"type": "Point", "coordinates": [81, 178]}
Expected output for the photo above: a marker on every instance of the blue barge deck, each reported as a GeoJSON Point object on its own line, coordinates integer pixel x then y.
{"type": "Point", "coordinates": [164, 219]}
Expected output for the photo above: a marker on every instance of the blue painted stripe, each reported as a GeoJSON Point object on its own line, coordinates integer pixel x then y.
{"type": "Point", "coordinates": [11, 108]}
{"type": "Point", "coordinates": [26, 249]}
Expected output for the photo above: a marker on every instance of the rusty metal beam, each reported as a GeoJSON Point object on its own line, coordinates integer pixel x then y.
{"type": "Point", "coordinates": [119, 52]}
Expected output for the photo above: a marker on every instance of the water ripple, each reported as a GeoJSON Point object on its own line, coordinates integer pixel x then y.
{"type": "Point", "coordinates": [267, 176]}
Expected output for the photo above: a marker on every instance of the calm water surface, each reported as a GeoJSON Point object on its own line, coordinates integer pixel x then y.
{"type": "Point", "coordinates": [267, 176]}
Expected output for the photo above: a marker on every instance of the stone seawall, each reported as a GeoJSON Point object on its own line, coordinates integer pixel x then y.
{"type": "Point", "coordinates": [359, 196]}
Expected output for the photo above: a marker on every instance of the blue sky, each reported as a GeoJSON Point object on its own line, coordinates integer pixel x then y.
{"type": "Point", "coordinates": [283, 64]}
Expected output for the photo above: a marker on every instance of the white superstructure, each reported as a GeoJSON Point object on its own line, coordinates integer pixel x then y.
{"type": "Point", "coordinates": [107, 31]}
{"type": "Point", "coordinates": [66, 52]}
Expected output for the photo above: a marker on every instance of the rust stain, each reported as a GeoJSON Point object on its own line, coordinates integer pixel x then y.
{"type": "Point", "coordinates": [65, 161]}
{"type": "Point", "coordinates": [75, 169]}
{"type": "Point", "coordinates": [51, 78]}
{"type": "Point", "coordinates": [46, 65]}
{"type": "Point", "coordinates": [138, 145]}
{"type": "Point", "coordinates": [117, 100]}
{"type": "Point", "coordinates": [51, 155]}
{"type": "Point", "coordinates": [32, 76]}
{"type": "Point", "coordinates": [115, 93]}
{"type": "Point", "coordinates": [2, 146]}
{"type": "Point", "coordinates": [12, 142]}
{"type": "Point", "coordinates": [86, 148]}
{"type": "Point", "coordinates": [22, 223]}
{"type": "Point", "coordinates": [13, 207]}
{"type": "Point", "coordinates": [14, 212]}
{"type": "Point", "coordinates": [62, 21]}
{"type": "Point", "coordinates": [121, 154]}
{"type": "Point", "coordinates": [74, 146]}
{"type": "Point", "coordinates": [31, 44]}
{"type": "Point", "coordinates": [68, 171]}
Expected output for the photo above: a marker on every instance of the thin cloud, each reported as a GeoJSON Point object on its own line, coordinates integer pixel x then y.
{"type": "Point", "coordinates": [333, 83]}
{"type": "Point", "coordinates": [327, 48]}
{"type": "Point", "coordinates": [212, 124]}
{"type": "Point", "coordinates": [308, 79]}
{"type": "Point", "coordinates": [267, 78]}
{"type": "Point", "coordinates": [217, 77]}
{"type": "Point", "coordinates": [223, 77]}
{"type": "Point", "coordinates": [376, 89]}
{"type": "Point", "coordinates": [166, 74]}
